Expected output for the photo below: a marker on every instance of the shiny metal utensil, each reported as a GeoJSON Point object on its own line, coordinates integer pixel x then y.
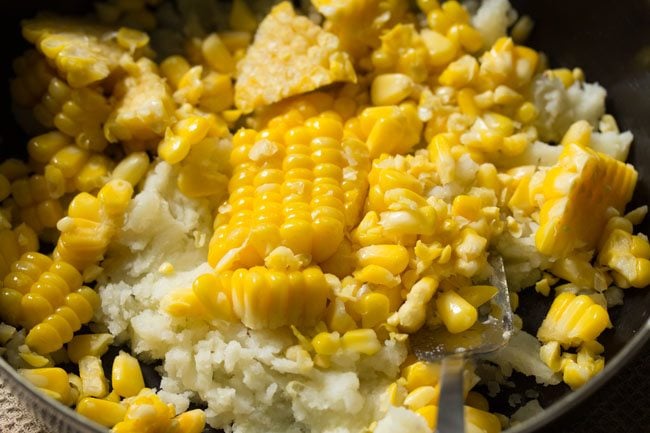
{"type": "Point", "coordinates": [491, 332]}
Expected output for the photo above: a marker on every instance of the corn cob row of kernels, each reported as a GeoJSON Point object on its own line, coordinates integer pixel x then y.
{"type": "Point", "coordinates": [90, 224]}
{"type": "Point", "coordinates": [34, 203]}
{"type": "Point", "coordinates": [77, 112]}
{"type": "Point", "coordinates": [33, 75]}
{"type": "Point", "coordinates": [259, 297]}
{"type": "Point", "coordinates": [14, 243]}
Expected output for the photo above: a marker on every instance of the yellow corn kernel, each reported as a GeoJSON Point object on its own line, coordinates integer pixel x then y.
{"type": "Point", "coordinates": [456, 313]}
{"type": "Point", "coordinates": [430, 415]}
{"type": "Point", "coordinates": [469, 37]}
{"type": "Point", "coordinates": [93, 174]}
{"type": "Point", "coordinates": [550, 355]}
{"type": "Point", "coordinates": [460, 73]}
{"type": "Point", "coordinates": [217, 55]}
{"type": "Point", "coordinates": [326, 343]}
{"type": "Point", "coordinates": [241, 17]}
{"type": "Point", "coordinates": [527, 112]}
{"type": "Point", "coordinates": [93, 381]}
{"type": "Point", "coordinates": [131, 39]}
{"type": "Point", "coordinates": [390, 89]}
{"type": "Point", "coordinates": [521, 29]}
{"type": "Point", "coordinates": [180, 138]}
{"type": "Point", "coordinates": [421, 396]}
{"type": "Point", "coordinates": [396, 394]}
{"type": "Point", "coordinates": [467, 207]}
{"type": "Point", "coordinates": [173, 68]}
{"type": "Point", "coordinates": [112, 396]}
{"type": "Point", "coordinates": [13, 169]}
{"type": "Point", "coordinates": [88, 345]}
{"type": "Point", "coordinates": [70, 160]}
{"type": "Point", "coordinates": [43, 338]}
{"type": "Point", "coordinates": [421, 373]}
{"type": "Point", "coordinates": [337, 318]}
{"type": "Point", "coordinates": [390, 129]}
{"type": "Point", "coordinates": [441, 50]}
{"type": "Point", "coordinates": [115, 197]}
{"type": "Point", "coordinates": [564, 75]}
{"type": "Point", "coordinates": [43, 147]}
{"type": "Point", "coordinates": [573, 319]}
{"type": "Point", "coordinates": [477, 295]}
{"type": "Point", "coordinates": [395, 258]}
{"type": "Point", "coordinates": [361, 340]}
{"type": "Point", "coordinates": [52, 379]}
{"type": "Point", "coordinates": [192, 421]}
{"type": "Point", "coordinates": [373, 308]}
{"type": "Point", "coordinates": [126, 375]}
{"type": "Point", "coordinates": [183, 303]}
{"type": "Point", "coordinates": [376, 274]}
{"type": "Point", "coordinates": [482, 420]}
{"type": "Point", "coordinates": [477, 401]}
{"type": "Point", "coordinates": [104, 412]}
{"type": "Point", "coordinates": [412, 313]}
{"type": "Point", "coordinates": [578, 133]}
{"type": "Point", "coordinates": [132, 168]}
{"type": "Point", "coordinates": [217, 301]}
{"type": "Point", "coordinates": [217, 93]}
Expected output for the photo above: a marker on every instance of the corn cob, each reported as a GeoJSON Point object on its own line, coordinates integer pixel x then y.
{"type": "Point", "coordinates": [296, 184]}
{"type": "Point", "coordinates": [79, 113]}
{"type": "Point", "coordinates": [578, 190]}
{"type": "Point", "coordinates": [314, 60]}
{"type": "Point", "coordinates": [572, 320]}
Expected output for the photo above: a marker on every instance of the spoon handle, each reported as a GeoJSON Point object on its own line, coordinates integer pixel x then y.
{"type": "Point", "coordinates": [451, 417]}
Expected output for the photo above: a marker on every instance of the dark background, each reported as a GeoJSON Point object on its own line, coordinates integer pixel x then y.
{"type": "Point", "coordinates": [607, 40]}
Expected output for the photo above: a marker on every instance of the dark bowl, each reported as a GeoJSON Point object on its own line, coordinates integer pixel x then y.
{"type": "Point", "coordinates": [611, 43]}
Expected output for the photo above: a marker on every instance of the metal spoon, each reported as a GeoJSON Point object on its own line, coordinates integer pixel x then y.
{"type": "Point", "coordinates": [491, 332]}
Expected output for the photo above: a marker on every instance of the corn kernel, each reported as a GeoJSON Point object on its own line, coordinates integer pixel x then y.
{"type": "Point", "coordinates": [361, 340]}
{"type": "Point", "coordinates": [456, 313]}
{"type": "Point", "coordinates": [420, 397]}
{"type": "Point", "coordinates": [104, 412]}
{"type": "Point", "coordinates": [192, 421]}
{"type": "Point", "coordinates": [390, 89]}
{"type": "Point", "coordinates": [93, 382]}
{"type": "Point", "coordinates": [126, 377]}
{"type": "Point", "coordinates": [326, 343]}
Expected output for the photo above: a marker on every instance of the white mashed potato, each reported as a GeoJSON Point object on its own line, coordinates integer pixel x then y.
{"type": "Point", "coordinates": [244, 376]}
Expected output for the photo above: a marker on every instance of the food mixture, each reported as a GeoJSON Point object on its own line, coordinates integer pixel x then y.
{"type": "Point", "coordinates": [264, 201]}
